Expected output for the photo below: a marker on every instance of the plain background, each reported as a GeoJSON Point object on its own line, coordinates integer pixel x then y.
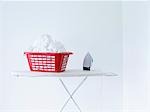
{"type": "Point", "coordinates": [116, 34]}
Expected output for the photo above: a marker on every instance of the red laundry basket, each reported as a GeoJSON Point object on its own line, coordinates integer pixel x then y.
{"type": "Point", "coordinates": [47, 62]}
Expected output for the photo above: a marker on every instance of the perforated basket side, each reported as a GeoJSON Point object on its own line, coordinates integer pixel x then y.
{"type": "Point", "coordinates": [29, 61]}
{"type": "Point", "coordinates": [47, 62]}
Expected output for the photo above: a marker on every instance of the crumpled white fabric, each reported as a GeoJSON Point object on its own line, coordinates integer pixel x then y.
{"type": "Point", "coordinates": [57, 47]}
{"type": "Point", "coordinates": [46, 44]}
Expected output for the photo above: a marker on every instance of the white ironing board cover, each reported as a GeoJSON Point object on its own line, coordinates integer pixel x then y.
{"type": "Point", "coordinates": [67, 73]}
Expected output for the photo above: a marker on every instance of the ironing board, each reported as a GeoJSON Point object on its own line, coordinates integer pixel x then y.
{"type": "Point", "coordinates": [67, 73]}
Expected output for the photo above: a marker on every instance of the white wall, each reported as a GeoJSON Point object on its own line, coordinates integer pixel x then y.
{"type": "Point", "coordinates": [116, 34]}
{"type": "Point", "coordinates": [148, 78]}
{"type": "Point", "coordinates": [135, 70]}
{"type": "Point", "coordinates": [1, 52]}
{"type": "Point", "coordinates": [82, 27]}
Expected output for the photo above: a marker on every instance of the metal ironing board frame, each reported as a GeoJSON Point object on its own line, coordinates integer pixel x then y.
{"type": "Point", "coordinates": [60, 75]}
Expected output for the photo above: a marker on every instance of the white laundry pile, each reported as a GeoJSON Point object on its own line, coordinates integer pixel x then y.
{"type": "Point", "coordinates": [46, 44]}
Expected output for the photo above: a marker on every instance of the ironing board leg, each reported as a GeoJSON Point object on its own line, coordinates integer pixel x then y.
{"type": "Point", "coordinates": [71, 94]}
